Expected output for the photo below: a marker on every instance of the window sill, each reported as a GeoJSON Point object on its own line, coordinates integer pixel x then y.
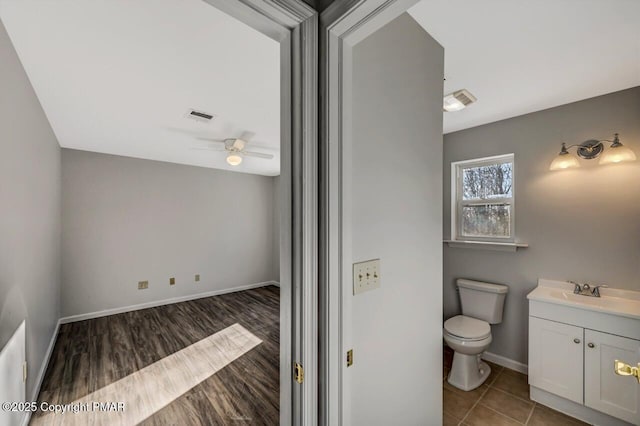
{"type": "Point", "coordinates": [486, 245]}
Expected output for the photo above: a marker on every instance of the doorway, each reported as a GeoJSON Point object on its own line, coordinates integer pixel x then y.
{"type": "Point", "coordinates": [292, 27]}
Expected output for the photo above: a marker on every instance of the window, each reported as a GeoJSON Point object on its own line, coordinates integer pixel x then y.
{"type": "Point", "coordinates": [483, 199]}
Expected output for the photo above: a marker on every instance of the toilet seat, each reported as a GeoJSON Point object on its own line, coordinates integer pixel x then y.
{"type": "Point", "coordinates": [467, 328]}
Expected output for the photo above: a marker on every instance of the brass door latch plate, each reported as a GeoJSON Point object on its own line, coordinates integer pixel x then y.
{"type": "Point", "coordinates": [298, 373]}
{"type": "Point", "coordinates": [349, 357]}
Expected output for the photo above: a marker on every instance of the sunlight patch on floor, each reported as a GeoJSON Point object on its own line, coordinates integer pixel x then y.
{"type": "Point", "coordinates": [150, 389]}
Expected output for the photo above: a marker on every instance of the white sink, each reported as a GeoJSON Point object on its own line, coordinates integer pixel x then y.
{"type": "Point", "coordinates": [611, 301]}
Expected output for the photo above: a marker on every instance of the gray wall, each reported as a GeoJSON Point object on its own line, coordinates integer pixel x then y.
{"type": "Point", "coordinates": [581, 224]}
{"type": "Point", "coordinates": [397, 217]}
{"type": "Point", "coordinates": [30, 218]}
{"type": "Point", "coordinates": [127, 220]}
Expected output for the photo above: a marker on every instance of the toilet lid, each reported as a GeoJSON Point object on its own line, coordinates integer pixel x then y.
{"type": "Point", "coordinates": [467, 327]}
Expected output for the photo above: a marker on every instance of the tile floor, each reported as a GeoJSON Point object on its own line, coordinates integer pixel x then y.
{"type": "Point", "coordinates": [503, 400]}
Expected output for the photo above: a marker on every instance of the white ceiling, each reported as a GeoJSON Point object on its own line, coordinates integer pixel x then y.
{"type": "Point", "coordinates": [116, 76]}
{"type": "Point", "coordinates": [520, 56]}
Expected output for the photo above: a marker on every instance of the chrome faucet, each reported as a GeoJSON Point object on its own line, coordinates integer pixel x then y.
{"type": "Point", "coordinates": [596, 290]}
{"type": "Point", "coordinates": [577, 289]}
{"type": "Point", "coordinates": [586, 289]}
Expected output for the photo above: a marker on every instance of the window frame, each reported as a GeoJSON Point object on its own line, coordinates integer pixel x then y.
{"type": "Point", "coordinates": [457, 203]}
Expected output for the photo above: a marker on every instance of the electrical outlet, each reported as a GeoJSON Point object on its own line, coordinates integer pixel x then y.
{"type": "Point", "coordinates": [172, 281]}
{"type": "Point", "coordinates": [197, 277]}
{"type": "Point", "coordinates": [143, 284]}
{"type": "Point", "coordinates": [366, 276]}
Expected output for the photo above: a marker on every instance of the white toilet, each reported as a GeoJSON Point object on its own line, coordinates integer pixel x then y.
{"type": "Point", "coordinates": [469, 334]}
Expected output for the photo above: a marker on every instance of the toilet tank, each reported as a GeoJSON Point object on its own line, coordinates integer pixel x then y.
{"type": "Point", "coordinates": [482, 300]}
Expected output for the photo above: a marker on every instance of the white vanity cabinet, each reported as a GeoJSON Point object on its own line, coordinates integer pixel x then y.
{"type": "Point", "coordinates": [555, 358]}
{"type": "Point", "coordinates": [574, 341]}
{"type": "Point", "coordinates": [604, 390]}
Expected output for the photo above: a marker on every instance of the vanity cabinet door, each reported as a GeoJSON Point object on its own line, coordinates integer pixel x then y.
{"type": "Point", "coordinates": [556, 358]}
{"type": "Point", "coordinates": [618, 396]}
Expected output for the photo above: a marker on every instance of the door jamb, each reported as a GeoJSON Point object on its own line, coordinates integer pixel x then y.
{"type": "Point", "coordinates": [295, 26]}
{"type": "Point", "coordinates": [342, 25]}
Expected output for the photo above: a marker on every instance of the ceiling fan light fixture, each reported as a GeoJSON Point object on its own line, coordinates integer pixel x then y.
{"type": "Point", "coordinates": [234, 159]}
{"type": "Point", "coordinates": [238, 144]}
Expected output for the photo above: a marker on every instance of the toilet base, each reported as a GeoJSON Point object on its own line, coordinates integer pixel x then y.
{"type": "Point", "coordinates": [468, 371]}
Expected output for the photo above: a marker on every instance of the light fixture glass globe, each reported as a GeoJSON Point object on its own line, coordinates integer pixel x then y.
{"type": "Point", "coordinates": [234, 159]}
{"type": "Point", "coordinates": [564, 160]}
{"type": "Point", "coordinates": [617, 154]}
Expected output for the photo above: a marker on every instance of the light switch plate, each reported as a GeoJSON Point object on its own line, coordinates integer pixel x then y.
{"type": "Point", "coordinates": [366, 276]}
{"type": "Point", "coordinates": [172, 281]}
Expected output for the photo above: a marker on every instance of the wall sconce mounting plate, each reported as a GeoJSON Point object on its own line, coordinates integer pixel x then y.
{"type": "Point", "coordinates": [590, 149]}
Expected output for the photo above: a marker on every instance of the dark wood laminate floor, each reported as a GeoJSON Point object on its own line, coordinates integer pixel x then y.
{"type": "Point", "coordinates": [92, 354]}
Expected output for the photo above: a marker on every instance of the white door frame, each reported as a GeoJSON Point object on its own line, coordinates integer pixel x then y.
{"type": "Point", "coordinates": [342, 26]}
{"type": "Point", "coordinates": [295, 26]}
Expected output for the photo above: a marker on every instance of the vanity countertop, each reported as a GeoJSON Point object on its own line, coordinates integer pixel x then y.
{"type": "Point", "coordinates": [612, 301]}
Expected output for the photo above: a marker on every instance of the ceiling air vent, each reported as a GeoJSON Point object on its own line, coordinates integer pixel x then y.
{"type": "Point", "coordinates": [200, 116]}
{"type": "Point", "coordinates": [458, 100]}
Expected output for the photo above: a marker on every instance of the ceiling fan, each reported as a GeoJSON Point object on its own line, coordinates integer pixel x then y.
{"type": "Point", "coordinates": [235, 149]}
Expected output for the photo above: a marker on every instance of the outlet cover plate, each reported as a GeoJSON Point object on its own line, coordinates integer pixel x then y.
{"type": "Point", "coordinates": [197, 278]}
{"type": "Point", "coordinates": [366, 276]}
{"type": "Point", "coordinates": [172, 281]}
{"type": "Point", "coordinates": [143, 284]}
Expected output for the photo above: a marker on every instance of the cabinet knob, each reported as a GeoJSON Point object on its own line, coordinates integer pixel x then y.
{"type": "Point", "coordinates": [591, 345]}
{"type": "Point", "coordinates": [576, 340]}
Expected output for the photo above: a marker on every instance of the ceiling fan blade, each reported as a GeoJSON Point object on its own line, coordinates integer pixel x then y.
{"type": "Point", "coordinates": [204, 138]}
{"type": "Point", "coordinates": [198, 148]}
{"type": "Point", "coordinates": [247, 135]}
{"type": "Point", "coordinates": [257, 154]}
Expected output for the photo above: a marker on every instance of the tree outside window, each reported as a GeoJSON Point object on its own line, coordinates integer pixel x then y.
{"type": "Point", "coordinates": [484, 198]}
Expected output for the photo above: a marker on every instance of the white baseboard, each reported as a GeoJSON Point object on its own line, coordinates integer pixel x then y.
{"type": "Point", "coordinates": [43, 370]}
{"type": "Point", "coordinates": [130, 308]}
{"type": "Point", "coordinates": [506, 362]}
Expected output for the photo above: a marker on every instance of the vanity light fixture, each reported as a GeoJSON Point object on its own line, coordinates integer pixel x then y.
{"type": "Point", "coordinates": [617, 153]}
{"type": "Point", "coordinates": [591, 149]}
{"type": "Point", "coordinates": [564, 160]}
